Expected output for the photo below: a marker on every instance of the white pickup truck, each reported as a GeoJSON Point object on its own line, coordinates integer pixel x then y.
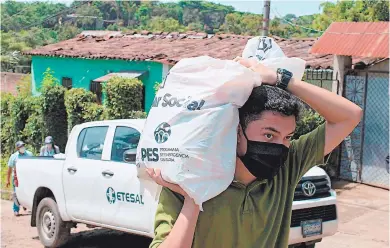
{"type": "Point", "coordinates": [96, 183]}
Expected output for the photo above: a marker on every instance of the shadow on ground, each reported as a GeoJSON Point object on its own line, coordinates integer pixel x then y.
{"type": "Point", "coordinates": [104, 238]}
{"type": "Point", "coordinates": [341, 186]}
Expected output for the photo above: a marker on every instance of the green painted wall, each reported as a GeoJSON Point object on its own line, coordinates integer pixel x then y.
{"type": "Point", "coordinates": [82, 71]}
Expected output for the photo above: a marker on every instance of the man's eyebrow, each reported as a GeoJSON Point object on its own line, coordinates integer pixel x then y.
{"type": "Point", "coordinates": [276, 131]}
{"type": "Point", "coordinates": [272, 129]}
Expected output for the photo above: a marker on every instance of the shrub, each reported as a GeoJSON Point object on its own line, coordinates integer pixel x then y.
{"type": "Point", "coordinates": [24, 86]}
{"type": "Point", "coordinates": [93, 112]}
{"type": "Point", "coordinates": [124, 95]}
{"type": "Point", "coordinates": [53, 109]}
{"type": "Point", "coordinates": [7, 140]}
{"type": "Point", "coordinates": [34, 131]}
{"type": "Point", "coordinates": [137, 115]}
{"type": "Point", "coordinates": [309, 121]}
{"type": "Point", "coordinates": [156, 87]}
{"type": "Point", "coordinates": [18, 118]}
{"type": "Point", "coordinates": [76, 101]}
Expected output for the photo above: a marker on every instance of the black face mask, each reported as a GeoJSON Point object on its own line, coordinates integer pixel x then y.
{"type": "Point", "coordinates": [263, 159]}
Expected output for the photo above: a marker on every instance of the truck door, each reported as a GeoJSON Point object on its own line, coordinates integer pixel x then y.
{"type": "Point", "coordinates": [82, 174]}
{"type": "Point", "coordinates": [129, 202]}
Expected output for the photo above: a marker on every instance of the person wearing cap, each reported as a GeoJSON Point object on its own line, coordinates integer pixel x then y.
{"type": "Point", "coordinates": [49, 149]}
{"type": "Point", "coordinates": [21, 152]}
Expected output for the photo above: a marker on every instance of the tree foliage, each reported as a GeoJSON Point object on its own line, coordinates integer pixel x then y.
{"type": "Point", "coordinates": [352, 11]}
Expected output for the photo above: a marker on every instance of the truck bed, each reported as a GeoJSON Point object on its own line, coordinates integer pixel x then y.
{"type": "Point", "coordinates": [37, 172]}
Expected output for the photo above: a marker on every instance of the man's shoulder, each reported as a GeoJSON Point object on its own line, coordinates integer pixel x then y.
{"type": "Point", "coordinates": [12, 159]}
{"type": "Point", "coordinates": [14, 155]}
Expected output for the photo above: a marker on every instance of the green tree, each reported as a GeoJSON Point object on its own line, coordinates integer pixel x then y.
{"type": "Point", "coordinates": [88, 16]}
{"type": "Point", "coordinates": [166, 25]}
{"type": "Point", "coordinates": [67, 31]}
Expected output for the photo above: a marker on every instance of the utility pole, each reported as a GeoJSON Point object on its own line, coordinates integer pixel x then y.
{"type": "Point", "coordinates": [267, 6]}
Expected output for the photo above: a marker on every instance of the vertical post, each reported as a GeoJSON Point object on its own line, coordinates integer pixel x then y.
{"type": "Point", "coordinates": [267, 5]}
{"type": "Point", "coordinates": [363, 127]}
{"type": "Point", "coordinates": [341, 64]}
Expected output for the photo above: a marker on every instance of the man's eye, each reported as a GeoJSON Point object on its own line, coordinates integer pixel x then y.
{"type": "Point", "coordinates": [288, 137]}
{"type": "Point", "coordinates": [269, 136]}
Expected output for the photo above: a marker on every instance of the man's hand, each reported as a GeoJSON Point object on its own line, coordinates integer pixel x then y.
{"type": "Point", "coordinates": [268, 76]}
{"type": "Point", "coordinates": [155, 174]}
{"type": "Point", "coordinates": [8, 184]}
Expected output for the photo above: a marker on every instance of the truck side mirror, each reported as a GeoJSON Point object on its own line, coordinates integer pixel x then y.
{"type": "Point", "coordinates": [129, 156]}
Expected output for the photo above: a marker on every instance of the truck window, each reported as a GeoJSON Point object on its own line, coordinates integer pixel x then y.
{"type": "Point", "coordinates": [92, 144]}
{"type": "Point", "coordinates": [125, 140]}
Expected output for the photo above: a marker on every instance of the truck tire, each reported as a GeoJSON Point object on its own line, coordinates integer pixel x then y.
{"type": "Point", "coordinates": [52, 230]}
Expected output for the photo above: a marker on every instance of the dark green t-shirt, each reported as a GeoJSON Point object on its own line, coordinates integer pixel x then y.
{"type": "Point", "coordinates": [257, 215]}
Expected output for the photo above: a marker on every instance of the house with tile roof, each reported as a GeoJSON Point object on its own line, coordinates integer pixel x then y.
{"type": "Point", "coordinates": [93, 57]}
{"type": "Point", "coordinates": [365, 153]}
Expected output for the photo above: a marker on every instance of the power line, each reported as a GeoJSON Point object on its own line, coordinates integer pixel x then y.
{"type": "Point", "coordinates": [18, 13]}
{"type": "Point", "coordinates": [293, 24]}
{"type": "Point", "coordinates": [49, 17]}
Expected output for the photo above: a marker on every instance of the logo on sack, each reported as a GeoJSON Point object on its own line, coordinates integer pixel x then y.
{"type": "Point", "coordinates": [308, 188]}
{"type": "Point", "coordinates": [171, 101]}
{"type": "Point", "coordinates": [162, 133]}
{"type": "Point", "coordinates": [264, 45]}
{"type": "Point", "coordinates": [110, 194]}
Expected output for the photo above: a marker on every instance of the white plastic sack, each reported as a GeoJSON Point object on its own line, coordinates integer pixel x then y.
{"type": "Point", "coordinates": [268, 52]}
{"type": "Point", "coordinates": [191, 130]}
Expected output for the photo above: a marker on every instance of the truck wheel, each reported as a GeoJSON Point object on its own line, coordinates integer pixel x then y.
{"type": "Point", "coordinates": [52, 230]}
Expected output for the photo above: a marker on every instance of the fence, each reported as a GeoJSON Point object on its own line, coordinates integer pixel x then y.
{"type": "Point", "coordinates": [365, 152]}
{"type": "Point", "coordinates": [321, 78]}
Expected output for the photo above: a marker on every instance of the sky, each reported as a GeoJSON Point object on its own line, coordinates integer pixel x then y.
{"type": "Point", "coordinates": [278, 7]}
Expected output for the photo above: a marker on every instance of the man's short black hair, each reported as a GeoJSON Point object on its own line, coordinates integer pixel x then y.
{"type": "Point", "coordinates": [271, 98]}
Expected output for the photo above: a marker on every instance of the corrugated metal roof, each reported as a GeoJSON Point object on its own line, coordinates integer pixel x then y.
{"type": "Point", "coordinates": [364, 39]}
{"type": "Point", "coordinates": [124, 74]}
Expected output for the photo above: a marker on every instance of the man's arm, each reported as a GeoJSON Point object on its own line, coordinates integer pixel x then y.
{"type": "Point", "coordinates": [9, 172]}
{"type": "Point", "coordinates": [11, 164]}
{"type": "Point", "coordinates": [182, 233]}
{"type": "Point", "coordinates": [341, 115]}
{"type": "Point", "coordinates": [175, 222]}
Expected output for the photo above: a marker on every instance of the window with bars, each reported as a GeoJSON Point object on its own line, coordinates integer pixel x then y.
{"type": "Point", "coordinates": [96, 88]}
{"type": "Point", "coordinates": [67, 82]}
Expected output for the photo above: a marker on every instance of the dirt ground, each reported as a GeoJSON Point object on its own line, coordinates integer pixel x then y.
{"type": "Point", "coordinates": [363, 213]}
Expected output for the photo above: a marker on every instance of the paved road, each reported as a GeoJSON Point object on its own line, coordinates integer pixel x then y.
{"type": "Point", "coordinates": [363, 212]}
{"type": "Point", "coordinates": [17, 233]}
{"type": "Point", "coordinates": [363, 215]}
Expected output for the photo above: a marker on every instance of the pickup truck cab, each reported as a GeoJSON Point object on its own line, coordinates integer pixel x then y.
{"type": "Point", "coordinates": [95, 182]}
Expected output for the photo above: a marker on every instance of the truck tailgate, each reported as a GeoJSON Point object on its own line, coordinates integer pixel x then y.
{"type": "Point", "coordinates": [36, 172]}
